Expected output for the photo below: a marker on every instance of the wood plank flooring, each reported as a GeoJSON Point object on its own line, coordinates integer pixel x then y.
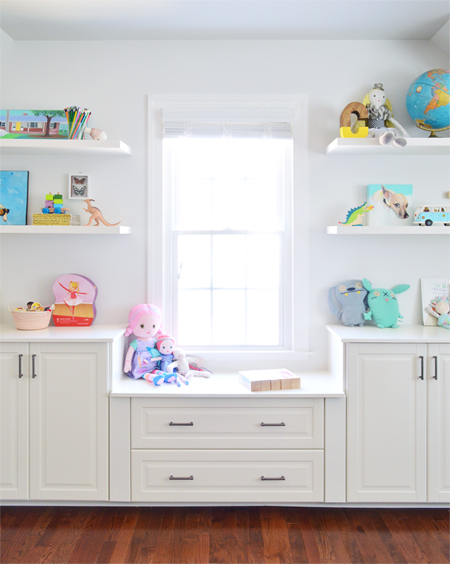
{"type": "Point", "coordinates": [236, 535]}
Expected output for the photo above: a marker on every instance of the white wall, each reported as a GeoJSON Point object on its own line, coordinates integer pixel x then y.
{"type": "Point", "coordinates": [114, 80]}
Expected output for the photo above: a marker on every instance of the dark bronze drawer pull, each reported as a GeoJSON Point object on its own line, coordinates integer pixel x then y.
{"type": "Point", "coordinates": [272, 479]}
{"type": "Point", "coordinates": [421, 367]}
{"type": "Point", "coordinates": [273, 424]}
{"type": "Point", "coordinates": [20, 366]}
{"type": "Point", "coordinates": [181, 477]}
{"type": "Point", "coordinates": [435, 367]}
{"type": "Point", "coordinates": [172, 424]}
{"type": "Point", "coordinates": [33, 363]}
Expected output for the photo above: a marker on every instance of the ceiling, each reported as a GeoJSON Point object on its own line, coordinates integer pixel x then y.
{"type": "Point", "coordinates": [222, 19]}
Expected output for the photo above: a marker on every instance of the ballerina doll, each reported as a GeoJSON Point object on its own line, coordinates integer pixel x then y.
{"type": "Point", "coordinates": [74, 296]}
{"type": "Point", "coordinates": [142, 358]}
{"type": "Point", "coordinates": [382, 124]}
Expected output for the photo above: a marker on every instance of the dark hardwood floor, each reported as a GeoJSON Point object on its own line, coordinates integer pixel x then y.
{"type": "Point", "coordinates": [238, 535]}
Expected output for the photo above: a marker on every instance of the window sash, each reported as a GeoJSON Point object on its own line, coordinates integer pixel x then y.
{"type": "Point", "coordinates": [283, 192]}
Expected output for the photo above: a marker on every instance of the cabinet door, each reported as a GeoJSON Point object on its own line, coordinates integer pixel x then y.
{"type": "Point", "coordinates": [69, 421]}
{"type": "Point", "coordinates": [14, 421]}
{"type": "Point", "coordinates": [386, 422]}
{"type": "Point", "coordinates": [439, 423]}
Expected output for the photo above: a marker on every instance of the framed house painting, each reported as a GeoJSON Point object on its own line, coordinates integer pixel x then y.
{"type": "Point", "coordinates": [13, 197]}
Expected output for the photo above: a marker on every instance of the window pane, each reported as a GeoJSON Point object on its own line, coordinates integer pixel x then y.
{"type": "Point", "coordinates": [194, 317]}
{"type": "Point", "coordinates": [229, 317]}
{"type": "Point", "coordinates": [262, 317]}
{"type": "Point", "coordinates": [263, 261]}
{"type": "Point", "coordinates": [193, 210]}
{"type": "Point", "coordinates": [229, 203]}
{"type": "Point", "coordinates": [229, 258]}
{"type": "Point", "coordinates": [194, 258]}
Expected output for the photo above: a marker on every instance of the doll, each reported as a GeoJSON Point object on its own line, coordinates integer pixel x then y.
{"type": "Point", "coordinates": [165, 344]}
{"type": "Point", "coordinates": [382, 124]}
{"type": "Point", "coordinates": [141, 361]}
{"type": "Point", "coordinates": [440, 308]}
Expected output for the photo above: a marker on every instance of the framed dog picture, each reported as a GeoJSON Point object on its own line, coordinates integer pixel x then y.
{"type": "Point", "coordinates": [80, 186]}
{"type": "Point", "coordinates": [392, 204]}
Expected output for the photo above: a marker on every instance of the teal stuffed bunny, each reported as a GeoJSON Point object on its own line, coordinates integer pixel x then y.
{"type": "Point", "coordinates": [383, 305]}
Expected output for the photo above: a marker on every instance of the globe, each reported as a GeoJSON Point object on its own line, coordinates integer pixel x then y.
{"type": "Point", "coordinates": [428, 100]}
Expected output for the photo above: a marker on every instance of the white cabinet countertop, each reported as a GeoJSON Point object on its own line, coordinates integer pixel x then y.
{"type": "Point", "coordinates": [403, 334]}
{"type": "Point", "coordinates": [92, 334]}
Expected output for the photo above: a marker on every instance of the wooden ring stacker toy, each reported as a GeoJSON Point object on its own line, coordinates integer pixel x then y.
{"type": "Point", "coordinates": [345, 123]}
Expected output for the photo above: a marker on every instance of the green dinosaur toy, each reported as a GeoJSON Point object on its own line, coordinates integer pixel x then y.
{"type": "Point", "coordinates": [354, 213]}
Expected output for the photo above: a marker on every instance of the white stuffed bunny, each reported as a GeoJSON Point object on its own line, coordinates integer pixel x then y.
{"type": "Point", "coordinates": [182, 365]}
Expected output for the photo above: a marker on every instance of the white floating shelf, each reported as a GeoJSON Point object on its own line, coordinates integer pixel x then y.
{"type": "Point", "coordinates": [62, 147]}
{"type": "Point", "coordinates": [366, 146]}
{"type": "Point", "coordinates": [376, 230]}
{"type": "Point", "coordinates": [64, 230]}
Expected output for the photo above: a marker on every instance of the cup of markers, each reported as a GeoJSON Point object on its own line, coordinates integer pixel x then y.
{"type": "Point", "coordinates": [77, 118]}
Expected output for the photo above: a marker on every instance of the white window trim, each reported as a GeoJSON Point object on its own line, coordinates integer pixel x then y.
{"type": "Point", "coordinates": [157, 266]}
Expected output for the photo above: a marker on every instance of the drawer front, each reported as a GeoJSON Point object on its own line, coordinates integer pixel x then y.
{"type": "Point", "coordinates": [172, 427]}
{"type": "Point", "coordinates": [227, 476]}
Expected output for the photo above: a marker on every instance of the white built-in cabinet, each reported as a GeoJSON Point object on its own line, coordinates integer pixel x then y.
{"type": "Point", "coordinates": [227, 450]}
{"type": "Point", "coordinates": [398, 415]}
{"type": "Point", "coordinates": [54, 420]}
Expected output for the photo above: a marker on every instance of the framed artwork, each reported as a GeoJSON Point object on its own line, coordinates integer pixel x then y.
{"type": "Point", "coordinates": [13, 197]}
{"type": "Point", "coordinates": [33, 124]}
{"type": "Point", "coordinates": [392, 204]}
{"type": "Point", "coordinates": [80, 186]}
{"type": "Point", "coordinates": [433, 290]}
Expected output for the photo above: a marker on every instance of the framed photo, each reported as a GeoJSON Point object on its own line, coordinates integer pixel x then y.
{"type": "Point", "coordinates": [80, 186]}
{"type": "Point", "coordinates": [392, 204]}
{"type": "Point", "coordinates": [13, 197]}
{"type": "Point", "coordinates": [433, 289]}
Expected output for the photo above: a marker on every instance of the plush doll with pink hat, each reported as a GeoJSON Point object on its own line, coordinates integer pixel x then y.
{"type": "Point", "coordinates": [141, 360]}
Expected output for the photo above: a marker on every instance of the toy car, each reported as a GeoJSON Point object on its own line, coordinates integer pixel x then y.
{"type": "Point", "coordinates": [428, 215]}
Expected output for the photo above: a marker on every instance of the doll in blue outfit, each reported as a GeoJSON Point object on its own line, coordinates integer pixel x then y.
{"type": "Point", "coordinates": [142, 358]}
{"type": "Point", "coordinates": [164, 346]}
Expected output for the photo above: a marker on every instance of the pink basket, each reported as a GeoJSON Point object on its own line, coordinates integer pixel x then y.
{"type": "Point", "coordinates": [31, 320]}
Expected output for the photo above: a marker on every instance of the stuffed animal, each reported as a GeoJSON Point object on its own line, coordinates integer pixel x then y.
{"type": "Point", "coordinates": [141, 361]}
{"type": "Point", "coordinates": [346, 302]}
{"type": "Point", "coordinates": [382, 124]}
{"type": "Point", "coordinates": [182, 366]}
{"type": "Point", "coordinates": [383, 304]}
{"type": "Point", "coordinates": [440, 308]}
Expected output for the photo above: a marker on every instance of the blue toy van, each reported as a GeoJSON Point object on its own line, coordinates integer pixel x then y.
{"type": "Point", "coordinates": [429, 215]}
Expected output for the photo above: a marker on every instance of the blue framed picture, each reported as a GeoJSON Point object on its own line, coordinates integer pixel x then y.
{"type": "Point", "coordinates": [13, 197]}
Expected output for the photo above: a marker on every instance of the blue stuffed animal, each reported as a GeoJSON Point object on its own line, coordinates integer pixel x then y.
{"type": "Point", "coordinates": [346, 302]}
{"type": "Point", "coordinates": [383, 304]}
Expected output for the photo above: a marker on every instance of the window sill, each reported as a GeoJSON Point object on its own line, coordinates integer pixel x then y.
{"type": "Point", "coordinates": [233, 356]}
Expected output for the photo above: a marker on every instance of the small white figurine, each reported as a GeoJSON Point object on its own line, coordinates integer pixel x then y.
{"type": "Point", "coordinates": [382, 124]}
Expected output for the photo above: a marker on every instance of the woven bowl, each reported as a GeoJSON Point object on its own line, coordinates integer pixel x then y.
{"type": "Point", "coordinates": [31, 320]}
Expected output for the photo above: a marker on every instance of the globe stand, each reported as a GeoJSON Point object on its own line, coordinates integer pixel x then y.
{"type": "Point", "coordinates": [432, 130]}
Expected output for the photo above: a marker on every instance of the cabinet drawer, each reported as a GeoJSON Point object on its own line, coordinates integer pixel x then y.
{"type": "Point", "coordinates": [227, 476]}
{"type": "Point", "coordinates": [292, 426]}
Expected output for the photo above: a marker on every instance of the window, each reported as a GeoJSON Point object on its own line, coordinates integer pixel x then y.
{"type": "Point", "coordinates": [229, 238]}
{"type": "Point", "coordinates": [232, 260]}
